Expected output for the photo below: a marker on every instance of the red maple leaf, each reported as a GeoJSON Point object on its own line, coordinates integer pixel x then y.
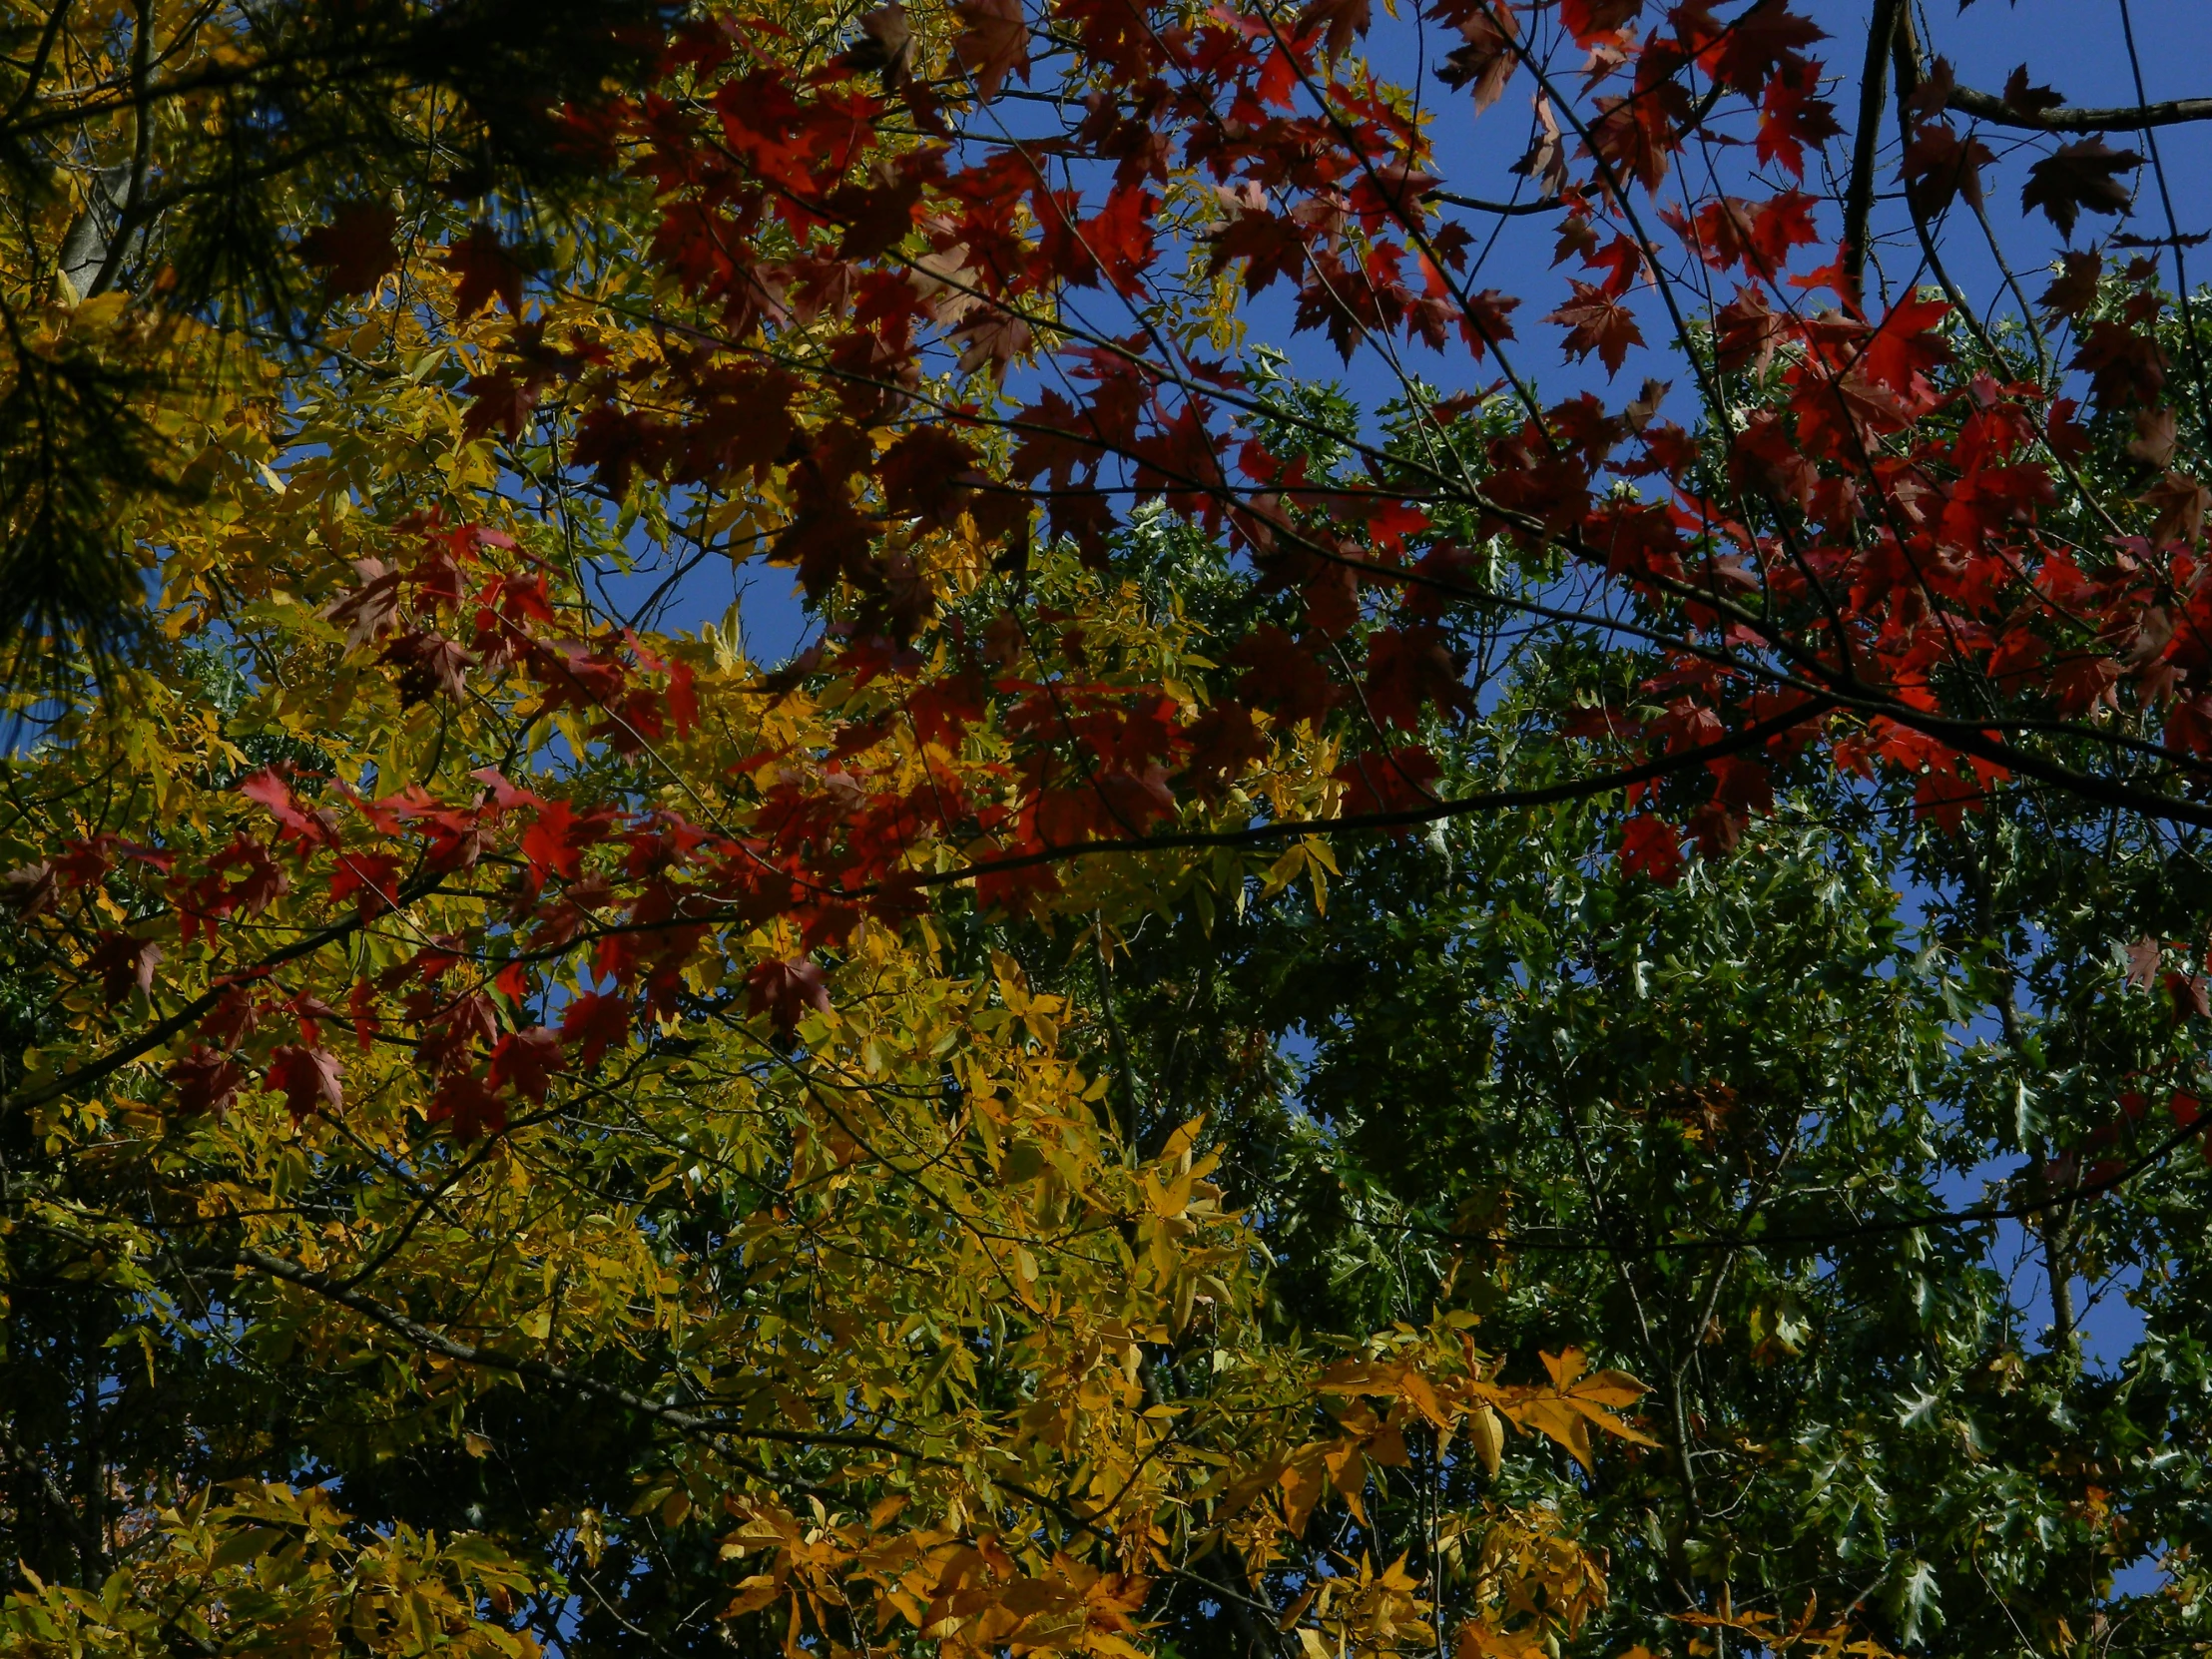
{"type": "Point", "coordinates": [370, 879]}
{"type": "Point", "coordinates": [1344, 21]}
{"type": "Point", "coordinates": [1907, 346]}
{"type": "Point", "coordinates": [28, 890]}
{"type": "Point", "coordinates": [1650, 846]}
{"type": "Point", "coordinates": [428, 664]}
{"type": "Point", "coordinates": [354, 250]}
{"type": "Point", "coordinates": [487, 267]}
{"type": "Point", "coordinates": [205, 1081]}
{"type": "Point", "coordinates": [926, 475]}
{"type": "Point", "coordinates": [1792, 120]}
{"type": "Point", "coordinates": [1284, 675]}
{"type": "Point", "coordinates": [525, 1061]}
{"type": "Point", "coordinates": [121, 962]}
{"type": "Point", "coordinates": [1409, 668]}
{"type": "Point", "coordinates": [464, 1101]}
{"type": "Point", "coordinates": [268, 789]}
{"type": "Point", "coordinates": [556, 840]}
{"type": "Point", "coordinates": [1591, 20]}
{"type": "Point", "coordinates": [368, 610]}
{"type": "Point", "coordinates": [306, 1076]}
{"type": "Point", "coordinates": [1596, 322]}
{"type": "Point", "coordinates": [1388, 781]}
{"type": "Point", "coordinates": [1762, 41]}
{"type": "Point", "coordinates": [2083, 174]}
{"type": "Point", "coordinates": [995, 44]}
{"type": "Point", "coordinates": [1223, 743]}
{"type": "Point", "coordinates": [2124, 367]}
{"type": "Point", "coordinates": [596, 1023]}
{"type": "Point", "coordinates": [782, 990]}
{"type": "Point", "coordinates": [1271, 246]}
{"type": "Point", "coordinates": [1940, 165]}
{"type": "Point", "coordinates": [618, 444]}
{"type": "Point", "coordinates": [1119, 238]}
{"type": "Point", "coordinates": [1488, 60]}
{"type": "Point", "coordinates": [1488, 319]}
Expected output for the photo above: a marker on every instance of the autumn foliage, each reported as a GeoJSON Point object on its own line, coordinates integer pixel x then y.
{"type": "Point", "coordinates": [490, 1000]}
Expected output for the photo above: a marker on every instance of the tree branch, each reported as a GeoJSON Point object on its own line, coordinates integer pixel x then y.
{"type": "Point", "coordinates": [1874, 92]}
{"type": "Point", "coordinates": [2173, 112]}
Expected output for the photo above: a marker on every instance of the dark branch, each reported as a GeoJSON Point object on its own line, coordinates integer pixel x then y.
{"type": "Point", "coordinates": [1874, 91]}
{"type": "Point", "coordinates": [1477, 204]}
{"type": "Point", "coordinates": [1997, 112]}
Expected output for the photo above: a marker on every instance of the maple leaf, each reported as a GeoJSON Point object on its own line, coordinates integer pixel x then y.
{"type": "Point", "coordinates": [268, 789]}
{"type": "Point", "coordinates": [1118, 239]}
{"type": "Point", "coordinates": [429, 664]}
{"type": "Point", "coordinates": [1485, 63]}
{"type": "Point", "coordinates": [995, 44]}
{"type": "Point", "coordinates": [1409, 668]}
{"type": "Point", "coordinates": [525, 1061]}
{"type": "Point", "coordinates": [487, 269]}
{"type": "Point", "coordinates": [1487, 320]}
{"type": "Point", "coordinates": [370, 879]}
{"type": "Point", "coordinates": [306, 1077]}
{"type": "Point", "coordinates": [355, 250]}
{"type": "Point", "coordinates": [555, 842]}
{"type": "Point", "coordinates": [1639, 135]}
{"type": "Point", "coordinates": [886, 44]}
{"type": "Point", "coordinates": [1596, 322]}
{"type": "Point", "coordinates": [1940, 165]}
{"type": "Point", "coordinates": [261, 882]}
{"type": "Point", "coordinates": [1780, 224]}
{"type": "Point", "coordinates": [1650, 846]}
{"type": "Point", "coordinates": [2190, 993]}
{"type": "Point", "coordinates": [1396, 780]}
{"type": "Point", "coordinates": [502, 401]}
{"type": "Point", "coordinates": [1793, 118]}
{"type": "Point", "coordinates": [205, 1081]}
{"type": "Point", "coordinates": [1591, 20]}
{"type": "Point", "coordinates": [2074, 289]}
{"type": "Point", "coordinates": [2180, 502]}
{"type": "Point", "coordinates": [1284, 675]}
{"type": "Point", "coordinates": [1224, 742]}
{"type": "Point", "coordinates": [121, 962]}
{"type": "Point", "coordinates": [991, 338]}
{"type": "Point", "coordinates": [467, 1103]}
{"type": "Point", "coordinates": [2125, 366]}
{"type": "Point", "coordinates": [370, 609]}
{"type": "Point", "coordinates": [782, 990]}
{"type": "Point", "coordinates": [1545, 161]}
{"type": "Point", "coordinates": [595, 1023]}
{"type": "Point", "coordinates": [28, 890]}
{"type": "Point", "coordinates": [2029, 100]}
{"type": "Point", "coordinates": [2083, 174]}
{"type": "Point", "coordinates": [618, 444]}
{"type": "Point", "coordinates": [876, 216]}
{"type": "Point", "coordinates": [1764, 39]}
{"type": "Point", "coordinates": [1343, 22]}
{"type": "Point", "coordinates": [2156, 436]}
{"type": "Point", "coordinates": [1270, 245]}
{"type": "Point", "coordinates": [1907, 346]}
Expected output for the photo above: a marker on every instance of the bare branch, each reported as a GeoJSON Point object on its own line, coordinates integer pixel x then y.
{"type": "Point", "coordinates": [1874, 92]}
{"type": "Point", "coordinates": [1999, 113]}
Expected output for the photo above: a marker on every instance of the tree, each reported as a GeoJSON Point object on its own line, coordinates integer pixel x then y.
{"type": "Point", "coordinates": [236, 165]}
{"type": "Point", "coordinates": [740, 1101]}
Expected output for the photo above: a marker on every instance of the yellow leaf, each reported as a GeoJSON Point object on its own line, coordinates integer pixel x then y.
{"type": "Point", "coordinates": [1414, 1389]}
{"type": "Point", "coordinates": [753, 1594]}
{"type": "Point", "coordinates": [1487, 1433]}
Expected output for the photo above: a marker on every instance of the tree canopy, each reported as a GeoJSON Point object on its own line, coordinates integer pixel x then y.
{"type": "Point", "coordinates": [1333, 987]}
